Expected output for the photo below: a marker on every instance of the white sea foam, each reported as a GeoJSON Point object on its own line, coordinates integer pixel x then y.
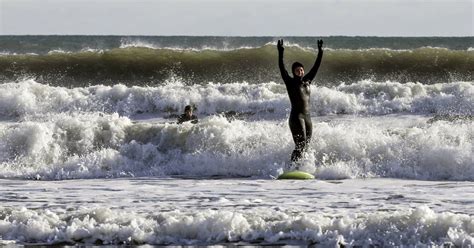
{"type": "Point", "coordinates": [150, 210]}
{"type": "Point", "coordinates": [288, 44]}
{"type": "Point", "coordinates": [92, 50]}
{"type": "Point", "coordinates": [95, 145]}
{"type": "Point", "coordinates": [420, 226]}
{"type": "Point", "coordinates": [127, 43]}
{"type": "Point", "coordinates": [365, 97]}
{"type": "Point", "coordinates": [59, 133]}
{"type": "Point", "coordinates": [59, 51]}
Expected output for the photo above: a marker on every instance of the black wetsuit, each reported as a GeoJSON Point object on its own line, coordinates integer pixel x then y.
{"type": "Point", "coordinates": [184, 118]}
{"type": "Point", "coordinates": [299, 92]}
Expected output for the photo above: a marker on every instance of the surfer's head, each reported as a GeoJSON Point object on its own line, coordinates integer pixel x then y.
{"type": "Point", "coordinates": [298, 69]}
{"type": "Point", "coordinates": [188, 110]}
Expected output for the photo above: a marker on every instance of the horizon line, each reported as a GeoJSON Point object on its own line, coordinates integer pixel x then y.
{"type": "Point", "coordinates": [248, 36]}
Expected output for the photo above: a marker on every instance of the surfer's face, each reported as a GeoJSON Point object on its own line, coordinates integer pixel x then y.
{"type": "Point", "coordinates": [189, 112]}
{"type": "Point", "coordinates": [299, 71]}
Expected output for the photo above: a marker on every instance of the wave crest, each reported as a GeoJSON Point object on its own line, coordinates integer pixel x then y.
{"type": "Point", "coordinates": [133, 65]}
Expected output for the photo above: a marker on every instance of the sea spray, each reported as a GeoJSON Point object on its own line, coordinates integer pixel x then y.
{"type": "Point", "coordinates": [266, 100]}
{"type": "Point", "coordinates": [95, 145]}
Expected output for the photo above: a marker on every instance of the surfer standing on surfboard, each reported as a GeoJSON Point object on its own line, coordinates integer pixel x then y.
{"type": "Point", "coordinates": [298, 88]}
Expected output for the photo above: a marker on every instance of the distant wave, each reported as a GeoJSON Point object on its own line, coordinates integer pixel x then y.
{"type": "Point", "coordinates": [150, 66]}
{"type": "Point", "coordinates": [74, 43]}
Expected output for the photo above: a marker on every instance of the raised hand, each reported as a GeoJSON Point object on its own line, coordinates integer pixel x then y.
{"type": "Point", "coordinates": [280, 46]}
{"type": "Point", "coordinates": [320, 44]}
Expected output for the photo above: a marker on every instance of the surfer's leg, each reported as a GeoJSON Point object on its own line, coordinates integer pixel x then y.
{"type": "Point", "coordinates": [309, 130]}
{"type": "Point", "coordinates": [297, 127]}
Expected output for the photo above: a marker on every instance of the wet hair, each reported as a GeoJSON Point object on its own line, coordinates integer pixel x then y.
{"type": "Point", "coordinates": [296, 65]}
{"type": "Point", "coordinates": [188, 108]}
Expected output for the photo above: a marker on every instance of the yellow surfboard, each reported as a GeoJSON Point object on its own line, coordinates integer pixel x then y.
{"type": "Point", "coordinates": [296, 175]}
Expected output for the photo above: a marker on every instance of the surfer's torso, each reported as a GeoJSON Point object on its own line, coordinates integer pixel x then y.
{"type": "Point", "coordinates": [299, 92]}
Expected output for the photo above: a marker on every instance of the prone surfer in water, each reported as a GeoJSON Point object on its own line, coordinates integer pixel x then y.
{"type": "Point", "coordinates": [298, 88]}
{"type": "Point", "coordinates": [188, 115]}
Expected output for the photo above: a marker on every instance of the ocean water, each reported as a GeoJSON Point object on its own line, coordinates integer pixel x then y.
{"type": "Point", "coordinates": [90, 151]}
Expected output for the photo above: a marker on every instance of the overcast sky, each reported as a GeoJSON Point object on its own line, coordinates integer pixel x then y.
{"type": "Point", "coordinates": [239, 17]}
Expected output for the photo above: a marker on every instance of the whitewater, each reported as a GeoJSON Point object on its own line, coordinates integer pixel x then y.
{"type": "Point", "coordinates": [89, 158]}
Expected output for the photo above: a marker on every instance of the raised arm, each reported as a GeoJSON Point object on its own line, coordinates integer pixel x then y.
{"type": "Point", "coordinates": [312, 73]}
{"type": "Point", "coordinates": [284, 73]}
